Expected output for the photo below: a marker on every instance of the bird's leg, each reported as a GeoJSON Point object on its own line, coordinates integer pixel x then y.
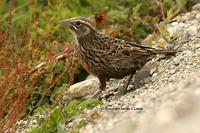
{"type": "Point", "coordinates": [123, 90]}
{"type": "Point", "coordinates": [101, 88]}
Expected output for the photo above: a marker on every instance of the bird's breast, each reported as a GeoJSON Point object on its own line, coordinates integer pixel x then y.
{"type": "Point", "coordinates": [93, 61]}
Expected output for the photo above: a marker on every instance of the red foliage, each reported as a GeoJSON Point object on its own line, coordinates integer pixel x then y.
{"type": "Point", "coordinates": [2, 38]}
{"type": "Point", "coordinates": [16, 87]}
{"type": "Point", "coordinates": [100, 19]}
{"type": "Point", "coordinates": [13, 89]}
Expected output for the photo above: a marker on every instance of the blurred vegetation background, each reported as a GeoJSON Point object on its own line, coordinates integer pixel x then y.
{"type": "Point", "coordinates": [29, 36]}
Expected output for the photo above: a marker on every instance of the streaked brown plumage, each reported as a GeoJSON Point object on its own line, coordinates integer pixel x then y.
{"type": "Point", "coordinates": [107, 57]}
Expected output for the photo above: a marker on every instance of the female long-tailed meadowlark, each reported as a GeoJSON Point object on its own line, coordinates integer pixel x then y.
{"type": "Point", "coordinates": [107, 57]}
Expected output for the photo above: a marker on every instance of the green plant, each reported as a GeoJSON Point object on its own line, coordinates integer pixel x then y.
{"type": "Point", "coordinates": [59, 117]}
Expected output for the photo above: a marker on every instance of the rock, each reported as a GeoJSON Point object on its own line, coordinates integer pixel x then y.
{"type": "Point", "coordinates": [176, 29]}
{"type": "Point", "coordinates": [198, 17]}
{"type": "Point", "coordinates": [192, 30]}
{"type": "Point", "coordinates": [82, 90]}
{"type": "Point", "coordinates": [196, 7]}
{"type": "Point", "coordinates": [172, 71]}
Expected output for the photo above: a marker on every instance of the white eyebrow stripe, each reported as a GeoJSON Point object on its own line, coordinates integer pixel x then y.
{"type": "Point", "coordinates": [87, 23]}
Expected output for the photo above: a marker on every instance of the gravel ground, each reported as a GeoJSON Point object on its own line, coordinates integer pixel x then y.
{"type": "Point", "coordinates": [170, 99]}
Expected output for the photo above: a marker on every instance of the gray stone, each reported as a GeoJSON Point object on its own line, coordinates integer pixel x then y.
{"type": "Point", "coordinates": [197, 6]}
{"type": "Point", "coordinates": [83, 90]}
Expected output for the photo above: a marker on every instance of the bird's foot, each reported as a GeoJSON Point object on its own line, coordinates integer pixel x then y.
{"type": "Point", "coordinates": [121, 91]}
{"type": "Point", "coordinates": [124, 90]}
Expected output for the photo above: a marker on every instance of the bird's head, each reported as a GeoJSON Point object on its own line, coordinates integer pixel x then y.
{"type": "Point", "coordinates": [79, 26]}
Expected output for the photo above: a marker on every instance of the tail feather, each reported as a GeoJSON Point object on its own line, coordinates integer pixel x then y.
{"type": "Point", "coordinates": [167, 52]}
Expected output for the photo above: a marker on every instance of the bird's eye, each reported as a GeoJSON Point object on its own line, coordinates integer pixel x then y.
{"type": "Point", "coordinates": [78, 23]}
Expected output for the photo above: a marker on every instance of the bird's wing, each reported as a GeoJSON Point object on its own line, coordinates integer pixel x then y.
{"type": "Point", "coordinates": [120, 49]}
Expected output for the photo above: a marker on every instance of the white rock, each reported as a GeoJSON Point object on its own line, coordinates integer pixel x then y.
{"type": "Point", "coordinates": [196, 7]}
{"type": "Point", "coordinates": [198, 16]}
{"type": "Point", "coordinates": [176, 29]}
{"type": "Point", "coordinates": [84, 89]}
{"type": "Point", "coordinates": [192, 30]}
{"type": "Point", "coordinates": [172, 71]}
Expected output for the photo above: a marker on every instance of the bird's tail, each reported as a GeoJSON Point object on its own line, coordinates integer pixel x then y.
{"type": "Point", "coordinates": [163, 51]}
{"type": "Point", "coordinates": [171, 51]}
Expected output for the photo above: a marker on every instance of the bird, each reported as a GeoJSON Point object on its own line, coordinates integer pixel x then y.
{"type": "Point", "coordinates": [108, 57]}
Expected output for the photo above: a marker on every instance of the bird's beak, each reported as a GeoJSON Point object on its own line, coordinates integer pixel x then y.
{"type": "Point", "coordinates": [66, 23]}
